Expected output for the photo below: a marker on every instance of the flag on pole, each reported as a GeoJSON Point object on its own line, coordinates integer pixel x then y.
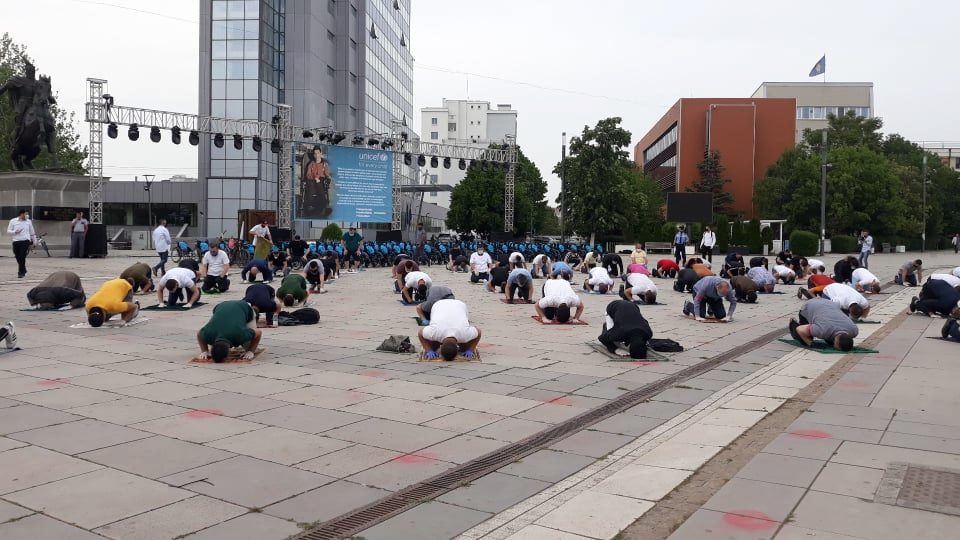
{"type": "Point", "coordinates": [820, 68]}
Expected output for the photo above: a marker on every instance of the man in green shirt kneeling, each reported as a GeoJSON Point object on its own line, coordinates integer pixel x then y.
{"type": "Point", "coordinates": [293, 290]}
{"type": "Point", "coordinates": [233, 324]}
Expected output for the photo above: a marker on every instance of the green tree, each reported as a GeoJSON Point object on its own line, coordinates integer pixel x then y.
{"type": "Point", "coordinates": [597, 179]}
{"type": "Point", "coordinates": [332, 232]}
{"type": "Point", "coordinates": [847, 130]}
{"type": "Point", "coordinates": [476, 203]}
{"type": "Point", "coordinates": [712, 181]}
{"type": "Point", "coordinates": [70, 155]}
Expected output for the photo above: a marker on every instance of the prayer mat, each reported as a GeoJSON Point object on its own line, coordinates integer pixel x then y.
{"type": "Point", "coordinates": [706, 320]}
{"type": "Point", "coordinates": [571, 322]}
{"type": "Point", "coordinates": [822, 347]}
{"type": "Point", "coordinates": [639, 303]}
{"type": "Point", "coordinates": [517, 301]}
{"type": "Point", "coordinates": [597, 292]}
{"type": "Point", "coordinates": [652, 355]}
{"type": "Point", "coordinates": [214, 291]}
{"type": "Point", "coordinates": [868, 322]}
{"type": "Point", "coordinates": [235, 357]}
{"type": "Point", "coordinates": [774, 292]}
{"type": "Point", "coordinates": [178, 307]}
{"type": "Point", "coordinates": [459, 358]}
{"type": "Point", "coordinates": [408, 304]}
{"type": "Point", "coordinates": [421, 322]}
{"type": "Point", "coordinates": [113, 323]}
{"type": "Point", "coordinates": [324, 291]}
{"type": "Point", "coordinates": [67, 307]}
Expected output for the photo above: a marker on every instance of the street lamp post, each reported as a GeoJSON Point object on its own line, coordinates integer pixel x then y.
{"type": "Point", "coordinates": [563, 202]}
{"type": "Point", "coordinates": [923, 180]}
{"type": "Point", "coordinates": [823, 190]}
{"type": "Point", "coordinates": [148, 178]}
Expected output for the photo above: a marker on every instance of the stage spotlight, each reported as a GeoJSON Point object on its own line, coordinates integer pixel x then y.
{"type": "Point", "coordinates": [446, 163]}
{"type": "Point", "coordinates": [218, 140]}
{"type": "Point", "coordinates": [133, 132]}
{"type": "Point", "coordinates": [275, 146]}
{"type": "Point", "coordinates": [357, 140]}
{"type": "Point", "coordinates": [194, 138]}
{"type": "Point", "coordinates": [372, 142]}
{"type": "Point", "coordinates": [386, 144]}
{"type": "Point", "coordinates": [238, 142]}
{"type": "Point", "coordinates": [404, 136]}
{"type": "Point", "coordinates": [175, 135]}
{"type": "Point", "coordinates": [434, 162]}
{"type": "Point", "coordinates": [462, 165]}
{"type": "Point", "coordinates": [257, 144]}
{"type": "Point", "coordinates": [322, 137]}
{"type": "Point", "coordinates": [155, 134]}
{"type": "Point", "coordinates": [307, 134]}
{"type": "Point", "coordinates": [337, 138]}
{"type": "Point", "coordinates": [112, 130]}
{"type": "Point", "coordinates": [422, 160]}
{"type": "Point", "coordinates": [407, 159]}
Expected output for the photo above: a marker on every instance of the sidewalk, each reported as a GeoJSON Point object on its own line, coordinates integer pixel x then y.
{"type": "Point", "coordinates": [876, 457]}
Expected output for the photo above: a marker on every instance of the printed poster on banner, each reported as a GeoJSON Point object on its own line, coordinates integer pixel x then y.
{"type": "Point", "coordinates": [340, 183]}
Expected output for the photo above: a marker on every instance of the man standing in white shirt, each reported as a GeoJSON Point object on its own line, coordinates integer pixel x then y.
{"type": "Point", "coordinates": [161, 243]}
{"type": "Point", "coordinates": [214, 269]}
{"type": "Point", "coordinates": [707, 241]}
{"type": "Point", "coordinates": [262, 241]}
{"type": "Point", "coordinates": [480, 263]}
{"type": "Point", "coordinates": [21, 228]}
{"type": "Point", "coordinates": [866, 248]}
{"type": "Point", "coordinates": [78, 235]}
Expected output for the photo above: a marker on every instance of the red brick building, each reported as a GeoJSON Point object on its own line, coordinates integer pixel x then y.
{"type": "Point", "coordinates": [749, 133]}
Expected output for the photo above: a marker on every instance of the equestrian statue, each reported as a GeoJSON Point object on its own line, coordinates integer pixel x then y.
{"type": "Point", "coordinates": [34, 125]}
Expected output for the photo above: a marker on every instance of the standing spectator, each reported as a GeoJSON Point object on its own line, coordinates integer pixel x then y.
{"type": "Point", "coordinates": [707, 243]}
{"type": "Point", "coordinates": [956, 243]}
{"type": "Point", "coordinates": [680, 244]}
{"type": "Point", "coordinates": [21, 228]}
{"type": "Point", "coordinates": [420, 238]}
{"type": "Point", "coordinates": [161, 243]}
{"type": "Point", "coordinates": [351, 249]}
{"type": "Point", "coordinates": [78, 235]}
{"type": "Point", "coordinates": [866, 247]}
{"type": "Point", "coordinates": [262, 241]}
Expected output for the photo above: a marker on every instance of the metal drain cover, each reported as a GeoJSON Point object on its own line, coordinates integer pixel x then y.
{"type": "Point", "coordinates": [924, 488]}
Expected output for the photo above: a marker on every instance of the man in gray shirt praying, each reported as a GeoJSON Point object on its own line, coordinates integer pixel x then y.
{"type": "Point", "coordinates": [824, 319]}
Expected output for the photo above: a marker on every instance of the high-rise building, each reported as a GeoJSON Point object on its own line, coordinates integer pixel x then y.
{"type": "Point", "coordinates": [343, 65]}
{"type": "Point", "coordinates": [815, 100]}
{"type": "Point", "coordinates": [464, 123]}
{"type": "Point", "coordinates": [749, 134]}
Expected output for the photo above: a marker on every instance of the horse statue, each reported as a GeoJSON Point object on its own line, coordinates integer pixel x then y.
{"type": "Point", "coordinates": [34, 125]}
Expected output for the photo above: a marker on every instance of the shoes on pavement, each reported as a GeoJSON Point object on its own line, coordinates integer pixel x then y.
{"type": "Point", "coordinates": [792, 326]}
{"type": "Point", "coordinates": [913, 304]}
{"type": "Point", "coordinates": [945, 331]}
{"type": "Point", "coordinates": [687, 308]}
{"type": "Point", "coordinates": [11, 339]}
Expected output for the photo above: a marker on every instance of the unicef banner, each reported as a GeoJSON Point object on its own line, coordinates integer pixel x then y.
{"type": "Point", "coordinates": [339, 183]}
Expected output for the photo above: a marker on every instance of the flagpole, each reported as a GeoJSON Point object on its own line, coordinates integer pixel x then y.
{"type": "Point", "coordinates": [824, 68]}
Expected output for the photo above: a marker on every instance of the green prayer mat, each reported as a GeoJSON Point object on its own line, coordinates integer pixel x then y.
{"type": "Point", "coordinates": [822, 347]}
{"type": "Point", "coordinates": [868, 322]}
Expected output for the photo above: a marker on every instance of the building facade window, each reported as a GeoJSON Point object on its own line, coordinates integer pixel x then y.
{"type": "Point", "coordinates": [434, 135]}
{"type": "Point", "coordinates": [821, 112]}
{"type": "Point", "coordinates": [433, 121]}
{"type": "Point", "coordinates": [452, 126]}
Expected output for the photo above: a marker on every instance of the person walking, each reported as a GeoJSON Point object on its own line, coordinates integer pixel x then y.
{"type": "Point", "coordinates": [78, 235]}
{"type": "Point", "coordinates": [866, 247]}
{"type": "Point", "coordinates": [161, 243]}
{"type": "Point", "coordinates": [262, 240]}
{"type": "Point", "coordinates": [420, 238]}
{"type": "Point", "coordinates": [21, 229]}
{"type": "Point", "coordinates": [956, 243]}
{"type": "Point", "coordinates": [680, 244]}
{"type": "Point", "coordinates": [707, 242]}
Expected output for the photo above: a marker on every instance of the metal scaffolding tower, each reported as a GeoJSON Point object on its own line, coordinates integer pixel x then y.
{"type": "Point", "coordinates": [96, 115]}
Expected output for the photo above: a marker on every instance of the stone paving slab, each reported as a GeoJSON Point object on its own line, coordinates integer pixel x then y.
{"type": "Point", "coordinates": [178, 519]}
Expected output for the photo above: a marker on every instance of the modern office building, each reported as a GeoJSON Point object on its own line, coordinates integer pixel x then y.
{"type": "Point", "coordinates": [464, 123]}
{"type": "Point", "coordinates": [815, 100]}
{"type": "Point", "coordinates": [749, 134]}
{"type": "Point", "coordinates": [343, 65]}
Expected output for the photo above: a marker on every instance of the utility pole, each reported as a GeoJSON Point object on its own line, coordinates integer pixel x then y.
{"type": "Point", "coordinates": [923, 180]}
{"type": "Point", "coordinates": [148, 178]}
{"type": "Point", "coordinates": [823, 190]}
{"type": "Point", "coordinates": [563, 202]}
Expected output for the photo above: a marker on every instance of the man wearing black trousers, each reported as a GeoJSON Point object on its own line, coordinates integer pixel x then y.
{"type": "Point", "coordinates": [21, 229]}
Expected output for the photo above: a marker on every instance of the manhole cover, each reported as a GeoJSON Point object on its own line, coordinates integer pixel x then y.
{"type": "Point", "coordinates": [924, 488]}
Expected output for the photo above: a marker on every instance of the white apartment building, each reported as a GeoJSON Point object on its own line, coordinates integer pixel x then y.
{"type": "Point", "coordinates": [815, 100]}
{"type": "Point", "coordinates": [462, 122]}
{"type": "Point", "coordinates": [949, 152]}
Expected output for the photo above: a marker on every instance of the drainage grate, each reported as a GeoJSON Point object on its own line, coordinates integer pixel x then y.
{"type": "Point", "coordinates": [367, 516]}
{"type": "Point", "coordinates": [925, 488]}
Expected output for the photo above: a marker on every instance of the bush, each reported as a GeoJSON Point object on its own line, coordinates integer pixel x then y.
{"type": "Point", "coordinates": [754, 240]}
{"type": "Point", "coordinates": [738, 237]}
{"type": "Point", "coordinates": [804, 243]}
{"type": "Point", "coordinates": [766, 239]}
{"type": "Point", "coordinates": [668, 231]}
{"type": "Point", "coordinates": [723, 234]}
{"type": "Point", "coordinates": [843, 244]}
{"type": "Point", "coordinates": [696, 233]}
{"type": "Point", "coordinates": [332, 232]}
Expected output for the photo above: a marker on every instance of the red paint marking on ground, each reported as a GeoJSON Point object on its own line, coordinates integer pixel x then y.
{"type": "Point", "coordinates": [643, 364]}
{"type": "Point", "coordinates": [53, 382]}
{"type": "Point", "coordinates": [560, 400]}
{"type": "Point", "coordinates": [204, 413]}
{"type": "Point", "coordinates": [422, 457]}
{"type": "Point", "coordinates": [749, 520]}
{"type": "Point", "coordinates": [810, 434]}
{"type": "Point", "coordinates": [374, 373]}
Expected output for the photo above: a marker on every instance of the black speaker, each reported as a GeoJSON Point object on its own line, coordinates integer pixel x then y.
{"type": "Point", "coordinates": [389, 236]}
{"type": "Point", "coordinates": [280, 235]}
{"type": "Point", "coordinates": [96, 241]}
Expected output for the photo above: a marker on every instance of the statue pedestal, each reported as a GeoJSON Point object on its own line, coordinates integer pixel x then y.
{"type": "Point", "coordinates": [52, 198]}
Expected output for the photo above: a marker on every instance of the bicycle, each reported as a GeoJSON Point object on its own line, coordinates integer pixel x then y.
{"type": "Point", "coordinates": [41, 243]}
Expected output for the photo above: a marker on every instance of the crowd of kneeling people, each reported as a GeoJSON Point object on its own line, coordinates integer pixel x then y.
{"type": "Point", "coordinates": [833, 301]}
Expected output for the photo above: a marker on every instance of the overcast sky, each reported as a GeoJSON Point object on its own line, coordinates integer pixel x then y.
{"type": "Point", "coordinates": [562, 64]}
